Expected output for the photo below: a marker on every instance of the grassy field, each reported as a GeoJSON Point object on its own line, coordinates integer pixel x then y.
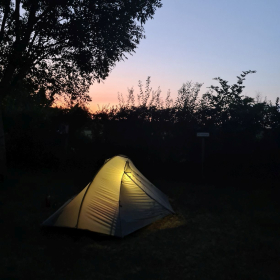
{"type": "Point", "coordinates": [225, 232]}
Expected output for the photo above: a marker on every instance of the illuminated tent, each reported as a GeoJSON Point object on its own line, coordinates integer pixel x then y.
{"type": "Point", "coordinates": [118, 201]}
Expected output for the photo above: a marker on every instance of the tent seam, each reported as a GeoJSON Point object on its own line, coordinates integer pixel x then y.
{"type": "Point", "coordinates": [88, 189]}
{"type": "Point", "coordinates": [143, 178]}
{"type": "Point", "coordinates": [120, 207]}
{"type": "Point", "coordinates": [147, 193]}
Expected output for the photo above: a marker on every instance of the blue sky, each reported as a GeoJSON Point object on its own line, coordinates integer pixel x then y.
{"type": "Point", "coordinates": [199, 40]}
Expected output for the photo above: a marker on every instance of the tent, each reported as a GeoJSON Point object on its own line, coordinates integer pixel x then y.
{"type": "Point", "coordinates": [118, 201]}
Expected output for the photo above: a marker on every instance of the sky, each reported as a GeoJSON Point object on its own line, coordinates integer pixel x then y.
{"type": "Point", "coordinates": [197, 41]}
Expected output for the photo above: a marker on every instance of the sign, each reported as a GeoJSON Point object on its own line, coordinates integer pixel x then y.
{"type": "Point", "coordinates": [202, 134]}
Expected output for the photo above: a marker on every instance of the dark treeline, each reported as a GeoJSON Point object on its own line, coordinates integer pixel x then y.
{"type": "Point", "coordinates": [158, 134]}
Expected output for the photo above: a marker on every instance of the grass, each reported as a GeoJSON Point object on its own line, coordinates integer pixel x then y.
{"type": "Point", "coordinates": [224, 232]}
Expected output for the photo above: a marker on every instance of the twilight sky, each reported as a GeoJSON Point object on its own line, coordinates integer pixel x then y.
{"type": "Point", "coordinates": [197, 41]}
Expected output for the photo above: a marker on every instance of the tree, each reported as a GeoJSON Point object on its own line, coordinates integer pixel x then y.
{"type": "Point", "coordinates": [64, 46]}
{"type": "Point", "coordinates": [218, 104]}
{"type": "Point", "coordinates": [187, 101]}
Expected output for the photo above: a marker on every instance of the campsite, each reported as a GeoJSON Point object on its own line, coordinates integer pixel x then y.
{"type": "Point", "coordinates": [103, 176]}
{"type": "Point", "coordinates": [217, 232]}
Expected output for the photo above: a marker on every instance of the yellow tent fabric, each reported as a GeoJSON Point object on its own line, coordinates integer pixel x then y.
{"type": "Point", "coordinates": [118, 201]}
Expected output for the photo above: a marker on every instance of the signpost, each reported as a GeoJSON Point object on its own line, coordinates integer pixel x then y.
{"type": "Point", "coordinates": [202, 135]}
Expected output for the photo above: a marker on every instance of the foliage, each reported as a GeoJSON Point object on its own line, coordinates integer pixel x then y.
{"type": "Point", "coordinates": [244, 132]}
{"type": "Point", "coordinates": [63, 46]}
{"type": "Point", "coordinates": [221, 103]}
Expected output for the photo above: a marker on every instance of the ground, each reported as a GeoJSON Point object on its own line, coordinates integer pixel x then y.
{"type": "Point", "coordinates": [218, 232]}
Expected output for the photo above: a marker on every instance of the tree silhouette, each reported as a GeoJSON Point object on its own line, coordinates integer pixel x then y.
{"type": "Point", "coordinates": [63, 46]}
{"type": "Point", "coordinates": [219, 103]}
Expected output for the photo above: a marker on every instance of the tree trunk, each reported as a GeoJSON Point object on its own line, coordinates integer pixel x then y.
{"type": "Point", "coordinates": [3, 163]}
